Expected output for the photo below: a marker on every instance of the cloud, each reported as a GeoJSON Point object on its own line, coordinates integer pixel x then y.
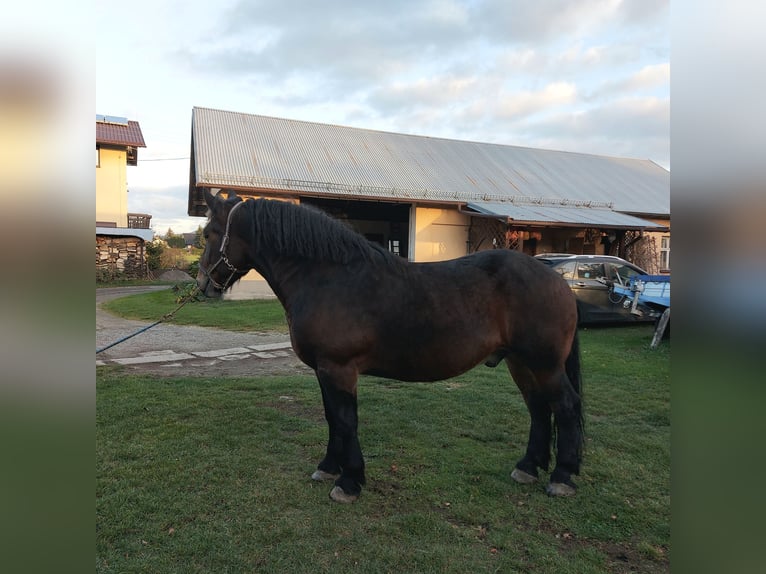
{"type": "Point", "coordinates": [590, 76]}
{"type": "Point", "coordinates": [645, 80]}
{"type": "Point", "coordinates": [641, 11]}
{"type": "Point", "coordinates": [167, 207]}
{"type": "Point", "coordinates": [527, 103]}
{"type": "Point", "coordinates": [627, 127]}
{"type": "Point", "coordinates": [346, 45]}
{"type": "Point", "coordinates": [160, 225]}
{"type": "Point", "coordinates": [649, 77]}
{"type": "Point", "coordinates": [522, 22]}
{"type": "Point", "coordinates": [423, 92]}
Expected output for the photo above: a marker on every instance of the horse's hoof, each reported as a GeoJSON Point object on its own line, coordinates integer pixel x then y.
{"type": "Point", "coordinates": [523, 477]}
{"type": "Point", "coordinates": [560, 489]}
{"type": "Point", "coordinates": [339, 495]}
{"type": "Point", "coordinates": [321, 476]}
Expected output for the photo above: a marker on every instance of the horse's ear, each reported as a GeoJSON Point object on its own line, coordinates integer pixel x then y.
{"type": "Point", "coordinates": [210, 199]}
{"type": "Point", "coordinates": [231, 194]}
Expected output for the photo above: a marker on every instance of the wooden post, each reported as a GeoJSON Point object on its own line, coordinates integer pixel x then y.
{"type": "Point", "coordinates": [660, 330]}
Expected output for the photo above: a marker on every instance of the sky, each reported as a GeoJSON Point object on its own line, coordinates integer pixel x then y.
{"type": "Point", "coordinates": [589, 76]}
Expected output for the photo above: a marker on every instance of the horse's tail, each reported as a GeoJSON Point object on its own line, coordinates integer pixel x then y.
{"type": "Point", "coordinates": [572, 365]}
{"type": "Point", "coordinates": [574, 374]}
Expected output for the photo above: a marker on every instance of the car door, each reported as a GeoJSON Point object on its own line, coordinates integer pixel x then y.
{"type": "Point", "coordinates": [592, 292]}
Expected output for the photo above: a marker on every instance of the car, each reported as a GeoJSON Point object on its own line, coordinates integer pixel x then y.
{"type": "Point", "coordinates": [590, 277]}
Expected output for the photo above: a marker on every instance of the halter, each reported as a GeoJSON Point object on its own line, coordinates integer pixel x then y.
{"type": "Point", "coordinates": [224, 258]}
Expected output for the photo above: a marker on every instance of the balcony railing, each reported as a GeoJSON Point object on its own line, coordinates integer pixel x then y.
{"type": "Point", "coordinates": [139, 220]}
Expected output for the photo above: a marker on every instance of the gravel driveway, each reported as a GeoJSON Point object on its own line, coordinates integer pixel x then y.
{"type": "Point", "coordinates": [175, 350]}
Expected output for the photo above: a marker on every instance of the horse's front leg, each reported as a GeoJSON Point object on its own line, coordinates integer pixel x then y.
{"type": "Point", "coordinates": [329, 467]}
{"type": "Point", "coordinates": [344, 455]}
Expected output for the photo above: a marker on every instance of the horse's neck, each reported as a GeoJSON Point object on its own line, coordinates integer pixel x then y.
{"type": "Point", "coordinates": [285, 275]}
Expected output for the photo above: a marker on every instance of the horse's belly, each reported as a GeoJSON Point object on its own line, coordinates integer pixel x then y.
{"type": "Point", "coordinates": [426, 365]}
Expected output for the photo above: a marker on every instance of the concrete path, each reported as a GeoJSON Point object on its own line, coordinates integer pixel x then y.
{"type": "Point", "coordinates": [169, 349]}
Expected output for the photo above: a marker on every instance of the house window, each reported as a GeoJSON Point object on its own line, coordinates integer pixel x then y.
{"type": "Point", "coordinates": [665, 252]}
{"type": "Point", "coordinates": [98, 156]}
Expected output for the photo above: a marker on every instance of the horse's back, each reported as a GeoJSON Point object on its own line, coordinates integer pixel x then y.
{"type": "Point", "coordinates": [510, 301]}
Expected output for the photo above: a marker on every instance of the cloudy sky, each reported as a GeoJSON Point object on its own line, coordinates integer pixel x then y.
{"type": "Point", "coordinates": [588, 76]}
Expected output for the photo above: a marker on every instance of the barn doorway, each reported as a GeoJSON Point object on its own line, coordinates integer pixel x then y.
{"type": "Point", "coordinates": [384, 223]}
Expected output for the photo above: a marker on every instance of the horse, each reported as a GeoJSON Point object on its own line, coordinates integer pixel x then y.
{"type": "Point", "coordinates": [354, 308]}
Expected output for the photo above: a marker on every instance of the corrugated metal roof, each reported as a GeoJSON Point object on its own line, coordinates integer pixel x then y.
{"type": "Point", "coordinates": [249, 151]}
{"type": "Point", "coordinates": [582, 215]}
{"type": "Point", "coordinates": [118, 134]}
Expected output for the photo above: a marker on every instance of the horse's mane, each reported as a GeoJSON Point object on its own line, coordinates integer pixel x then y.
{"type": "Point", "coordinates": [307, 232]}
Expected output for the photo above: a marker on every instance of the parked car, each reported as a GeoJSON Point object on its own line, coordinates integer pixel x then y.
{"type": "Point", "coordinates": [591, 277]}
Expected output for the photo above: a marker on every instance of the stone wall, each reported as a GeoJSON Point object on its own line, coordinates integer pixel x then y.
{"type": "Point", "coordinates": [120, 257]}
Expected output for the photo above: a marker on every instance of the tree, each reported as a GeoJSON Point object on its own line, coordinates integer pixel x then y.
{"type": "Point", "coordinates": [199, 238]}
{"type": "Point", "coordinates": [154, 251]}
{"type": "Point", "coordinates": [174, 240]}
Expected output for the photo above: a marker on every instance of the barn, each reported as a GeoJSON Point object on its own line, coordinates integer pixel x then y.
{"type": "Point", "coordinates": [429, 199]}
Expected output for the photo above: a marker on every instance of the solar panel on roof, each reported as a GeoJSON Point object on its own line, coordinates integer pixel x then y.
{"type": "Point", "coordinates": [120, 121]}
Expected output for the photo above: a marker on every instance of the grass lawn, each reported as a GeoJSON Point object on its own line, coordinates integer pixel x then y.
{"type": "Point", "coordinates": [212, 474]}
{"type": "Point", "coordinates": [252, 315]}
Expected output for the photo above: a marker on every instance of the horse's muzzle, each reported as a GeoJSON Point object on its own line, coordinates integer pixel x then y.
{"type": "Point", "coordinates": [207, 288]}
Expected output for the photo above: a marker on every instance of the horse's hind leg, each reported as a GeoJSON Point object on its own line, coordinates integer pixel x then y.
{"type": "Point", "coordinates": [344, 455]}
{"type": "Point", "coordinates": [567, 413]}
{"type": "Point", "coordinates": [538, 451]}
{"type": "Point", "coordinates": [549, 394]}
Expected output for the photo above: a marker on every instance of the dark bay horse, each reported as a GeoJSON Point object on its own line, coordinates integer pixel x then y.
{"type": "Point", "coordinates": [354, 308]}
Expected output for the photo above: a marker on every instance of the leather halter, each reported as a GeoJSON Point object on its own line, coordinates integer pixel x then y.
{"type": "Point", "coordinates": [224, 258]}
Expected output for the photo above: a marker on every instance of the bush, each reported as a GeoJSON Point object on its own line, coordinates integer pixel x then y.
{"type": "Point", "coordinates": [185, 291]}
{"type": "Point", "coordinates": [193, 268]}
{"type": "Point", "coordinates": [174, 258]}
{"type": "Point", "coordinates": [108, 275]}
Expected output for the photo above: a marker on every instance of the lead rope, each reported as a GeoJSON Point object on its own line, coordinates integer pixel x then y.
{"type": "Point", "coordinates": [165, 317]}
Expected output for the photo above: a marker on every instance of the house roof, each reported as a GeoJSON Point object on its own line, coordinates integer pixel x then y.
{"type": "Point", "coordinates": [118, 131]}
{"type": "Point", "coordinates": [252, 152]}
{"type": "Point", "coordinates": [145, 234]}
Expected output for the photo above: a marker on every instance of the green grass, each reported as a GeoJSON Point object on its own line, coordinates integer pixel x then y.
{"type": "Point", "coordinates": [132, 283]}
{"type": "Point", "coordinates": [212, 474]}
{"type": "Point", "coordinates": [251, 315]}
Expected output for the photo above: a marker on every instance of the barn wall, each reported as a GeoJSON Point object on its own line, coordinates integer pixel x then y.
{"type": "Point", "coordinates": [438, 234]}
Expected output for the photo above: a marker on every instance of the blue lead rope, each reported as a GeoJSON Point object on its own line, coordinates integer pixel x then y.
{"type": "Point", "coordinates": [188, 298]}
{"type": "Point", "coordinates": [118, 341]}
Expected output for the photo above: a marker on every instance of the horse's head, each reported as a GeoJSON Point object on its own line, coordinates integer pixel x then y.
{"type": "Point", "coordinates": [224, 260]}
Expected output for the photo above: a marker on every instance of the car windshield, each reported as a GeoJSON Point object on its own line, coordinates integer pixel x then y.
{"type": "Point", "coordinates": [622, 273]}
